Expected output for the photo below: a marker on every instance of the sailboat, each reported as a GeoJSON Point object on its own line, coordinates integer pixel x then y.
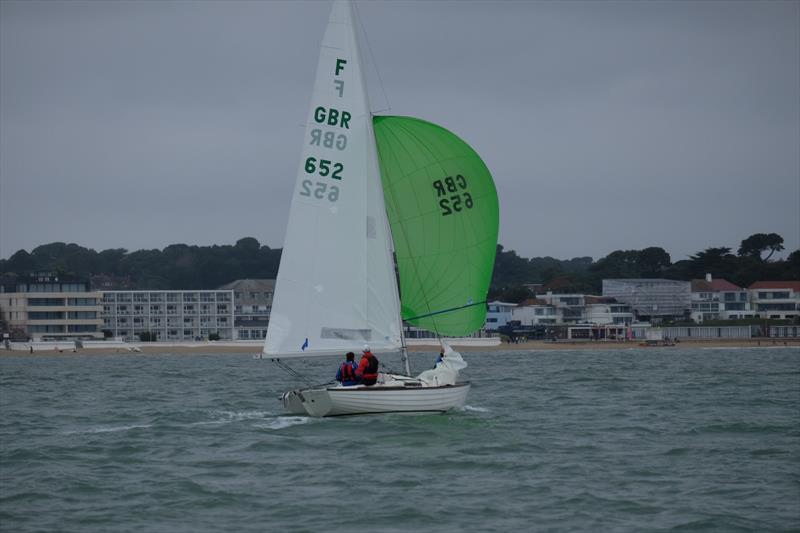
{"type": "Point", "coordinates": [372, 191]}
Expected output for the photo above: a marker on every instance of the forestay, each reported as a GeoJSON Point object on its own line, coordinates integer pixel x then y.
{"type": "Point", "coordinates": [336, 287]}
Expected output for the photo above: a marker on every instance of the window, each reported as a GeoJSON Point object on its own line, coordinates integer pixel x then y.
{"type": "Point", "coordinates": [46, 329]}
{"type": "Point", "coordinates": [82, 315]}
{"type": "Point", "coordinates": [45, 301]}
{"type": "Point", "coordinates": [81, 301]}
{"type": "Point", "coordinates": [45, 315]}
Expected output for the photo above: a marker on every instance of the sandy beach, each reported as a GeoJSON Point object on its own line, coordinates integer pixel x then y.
{"type": "Point", "coordinates": [212, 348]}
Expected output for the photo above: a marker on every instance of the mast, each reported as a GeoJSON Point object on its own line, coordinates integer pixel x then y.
{"type": "Point", "coordinates": [353, 13]}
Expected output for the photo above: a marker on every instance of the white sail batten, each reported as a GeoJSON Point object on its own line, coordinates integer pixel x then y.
{"type": "Point", "coordinates": [336, 288]}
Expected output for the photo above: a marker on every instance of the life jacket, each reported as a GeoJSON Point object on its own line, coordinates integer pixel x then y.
{"type": "Point", "coordinates": [371, 371]}
{"type": "Point", "coordinates": [348, 373]}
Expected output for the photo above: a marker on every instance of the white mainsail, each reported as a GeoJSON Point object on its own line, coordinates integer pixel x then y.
{"type": "Point", "coordinates": [336, 288]}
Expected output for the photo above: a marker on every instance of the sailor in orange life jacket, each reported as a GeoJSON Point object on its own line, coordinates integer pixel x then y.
{"type": "Point", "coordinates": [367, 369]}
{"type": "Point", "coordinates": [347, 372]}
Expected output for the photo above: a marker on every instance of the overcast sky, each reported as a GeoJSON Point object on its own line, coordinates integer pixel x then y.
{"type": "Point", "coordinates": [606, 125]}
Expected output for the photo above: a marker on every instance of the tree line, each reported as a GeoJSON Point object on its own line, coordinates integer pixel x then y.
{"type": "Point", "coordinates": [185, 267]}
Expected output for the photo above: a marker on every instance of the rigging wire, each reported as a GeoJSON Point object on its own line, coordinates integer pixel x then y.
{"type": "Point", "coordinates": [291, 371]}
{"type": "Point", "coordinates": [372, 58]}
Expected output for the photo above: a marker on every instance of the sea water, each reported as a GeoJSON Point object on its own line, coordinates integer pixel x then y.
{"type": "Point", "coordinates": [652, 439]}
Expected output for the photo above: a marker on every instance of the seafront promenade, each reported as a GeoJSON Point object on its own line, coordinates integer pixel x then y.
{"type": "Point", "coordinates": [67, 348]}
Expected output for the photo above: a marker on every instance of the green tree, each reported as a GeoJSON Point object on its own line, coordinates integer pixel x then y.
{"type": "Point", "coordinates": [758, 243]}
{"type": "Point", "coordinates": [652, 262]}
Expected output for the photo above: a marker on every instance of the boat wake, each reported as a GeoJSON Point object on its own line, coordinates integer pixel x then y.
{"type": "Point", "coordinates": [111, 429]}
{"type": "Point", "coordinates": [469, 408]}
{"type": "Point", "coordinates": [223, 417]}
{"type": "Point", "coordinates": [282, 422]}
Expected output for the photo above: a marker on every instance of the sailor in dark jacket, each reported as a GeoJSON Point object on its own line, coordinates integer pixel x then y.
{"type": "Point", "coordinates": [368, 367]}
{"type": "Point", "coordinates": [346, 374]}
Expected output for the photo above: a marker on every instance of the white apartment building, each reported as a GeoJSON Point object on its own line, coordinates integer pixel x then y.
{"type": "Point", "coordinates": [47, 306]}
{"type": "Point", "coordinates": [535, 312]}
{"type": "Point", "coordinates": [252, 300]}
{"type": "Point", "coordinates": [569, 307]}
{"type": "Point", "coordinates": [498, 314]}
{"type": "Point", "coordinates": [775, 299]}
{"type": "Point", "coordinates": [168, 315]}
{"type": "Point", "coordinates": [560, 309]}
{"type": "Point", "coordinates": [718, 299]}
{"type": "Point", "coordinates": [604, 310]}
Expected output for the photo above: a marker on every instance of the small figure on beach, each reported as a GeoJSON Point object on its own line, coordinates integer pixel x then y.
{"type": "Point", "coordinates": [367, 371]}
{"type": "Point", "coordinates": [346, 375]}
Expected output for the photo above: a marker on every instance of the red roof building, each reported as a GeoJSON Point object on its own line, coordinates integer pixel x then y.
{"type": "Point", "coordinates": [793, 285]}
{"type": "Point", "coordinates": [776, 299]}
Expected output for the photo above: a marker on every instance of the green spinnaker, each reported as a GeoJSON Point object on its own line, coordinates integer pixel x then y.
{"type": "Point", "coordinates": [443, 212]}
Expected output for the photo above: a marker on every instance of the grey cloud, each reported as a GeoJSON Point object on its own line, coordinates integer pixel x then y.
{"type": "Point", "coordinates": [606, 125]}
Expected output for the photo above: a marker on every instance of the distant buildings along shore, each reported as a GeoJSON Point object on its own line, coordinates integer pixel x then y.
{"type": "Point", "coordinates": [47, 306]}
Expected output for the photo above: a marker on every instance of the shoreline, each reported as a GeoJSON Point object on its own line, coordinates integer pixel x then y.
{"type": "Point", "coordinates": [529, 346]}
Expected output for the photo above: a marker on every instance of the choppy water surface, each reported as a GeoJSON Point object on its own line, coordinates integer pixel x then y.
{"type": "Point", "coordinates": [642, 440]}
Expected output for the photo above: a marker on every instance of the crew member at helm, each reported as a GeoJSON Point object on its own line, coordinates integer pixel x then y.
{"type": "Point", "coordinates": [367, 370]}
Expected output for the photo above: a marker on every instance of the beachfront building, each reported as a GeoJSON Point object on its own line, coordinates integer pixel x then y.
{"type": "Point", "coordinates": [776, 299]}
{"type": "Point", "coordinates": [162, 315]}
{"type": "Point", "coordinates": [566, 309]}
{"type": "Point", "coordinates": [569, 307]}
{"type": "Point", "coordinates": [718, 299]}
{"type": "Point", "coordinates": [652, 300]}
{"type": "Point", "coordinates": [605, 310]}
{"type": "Point", "coordinates": [498, 314]}
{"type": "Point", "coordinates": [535, 312]}
{"type": "Point", "coordinates": [47, 306]}
{"type": "Point", "coordinates": [252, 300]}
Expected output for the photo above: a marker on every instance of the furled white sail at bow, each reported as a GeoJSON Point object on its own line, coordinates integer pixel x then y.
{"type": "Point", "coordinates": [336, 288]}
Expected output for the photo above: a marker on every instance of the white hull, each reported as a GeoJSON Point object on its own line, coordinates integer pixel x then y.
{"type": "Point", "coordinates": [359, 400]}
